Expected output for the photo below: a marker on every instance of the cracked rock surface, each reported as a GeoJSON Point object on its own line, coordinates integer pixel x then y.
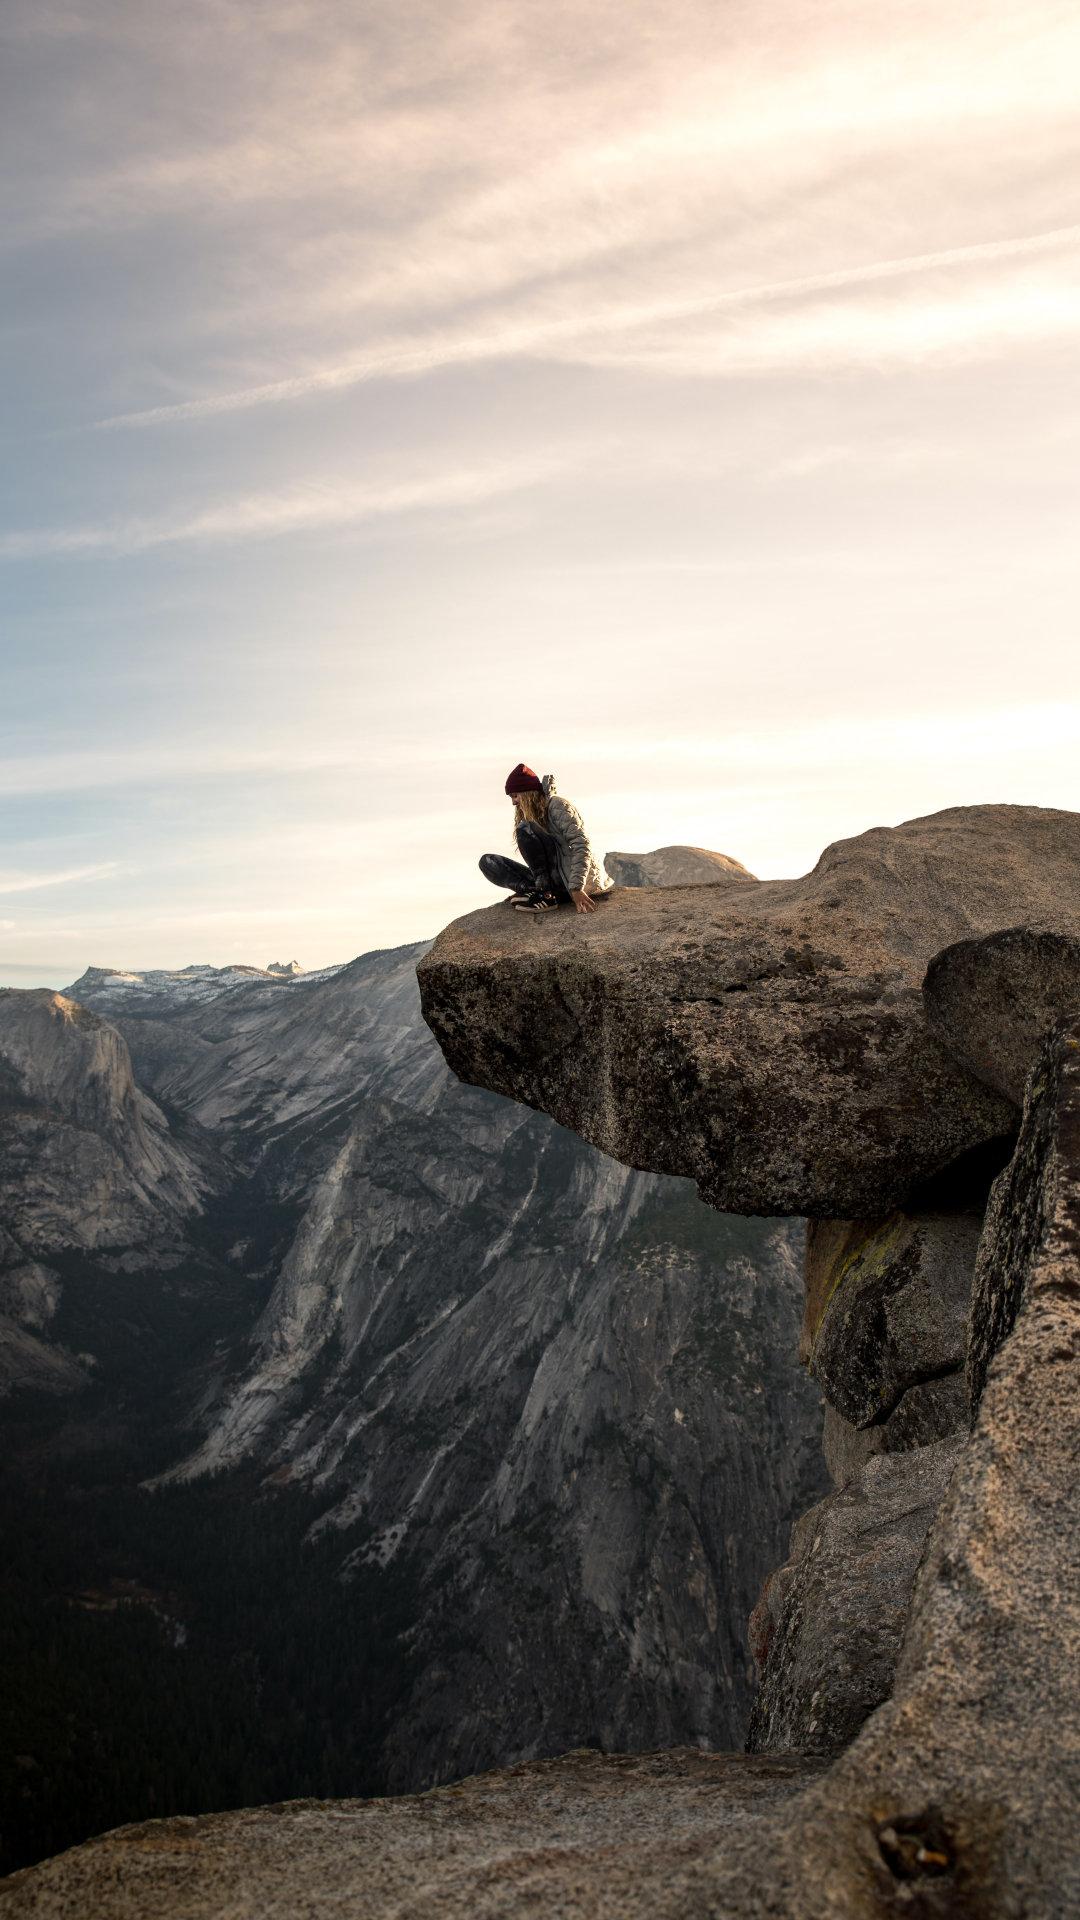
{"type": "Point", "coordinates": [769, 1041]}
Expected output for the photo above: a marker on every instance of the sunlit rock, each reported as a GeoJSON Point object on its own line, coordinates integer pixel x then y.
{"type": "Point", "coordinates": [769, 1041]}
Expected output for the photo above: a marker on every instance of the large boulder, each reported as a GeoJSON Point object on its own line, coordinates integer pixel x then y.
{"type": "Point", "coordinates": [677, 867]}
{"type": "Point", "coordinates": [993, 1001]}
{"type": "Point", "coordinates": [769, 1041]}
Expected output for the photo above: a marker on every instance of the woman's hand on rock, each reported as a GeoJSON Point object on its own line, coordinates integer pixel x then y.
{"type": "Point", "coordinates": [582, 903]}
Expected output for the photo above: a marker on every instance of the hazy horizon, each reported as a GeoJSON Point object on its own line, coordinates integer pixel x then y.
{"type": "Point", "coordinates": [683, 403]}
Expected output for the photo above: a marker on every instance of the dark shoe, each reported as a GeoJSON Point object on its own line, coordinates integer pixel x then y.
{"type": "Point", "coordinates": [537, 903]}
{"type": "Point", "coordinates": [516, 899]}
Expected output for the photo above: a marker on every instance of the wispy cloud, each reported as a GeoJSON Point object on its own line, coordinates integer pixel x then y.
{"type": "Point", "coordinates": [162, 763]}
{"type": "Point", "coordinates": [822, 334]}
{"type": "Point", "coordinates": [314, 508]}
{"type": "Point", "coordinates": [13, 882]}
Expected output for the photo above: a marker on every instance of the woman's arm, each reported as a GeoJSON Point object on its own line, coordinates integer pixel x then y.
{"type": "Point", "coordinates": [569, 826]}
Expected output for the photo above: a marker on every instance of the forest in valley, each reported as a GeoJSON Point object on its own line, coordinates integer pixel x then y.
{"type": "Point", "coordinates": [181, 1650]}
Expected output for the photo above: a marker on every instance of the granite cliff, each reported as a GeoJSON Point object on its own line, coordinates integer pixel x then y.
{"type": "Point", "coordinates": [891, 1046]}
{"type": "Point", "coordinates": [550, 1405]}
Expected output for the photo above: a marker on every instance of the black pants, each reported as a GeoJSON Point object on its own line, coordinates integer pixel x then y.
{"type": "Point", "coordinates": [539, 851]}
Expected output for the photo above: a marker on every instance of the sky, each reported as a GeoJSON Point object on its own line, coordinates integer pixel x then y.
{"type": "Point", "coordinates": [684, 400]}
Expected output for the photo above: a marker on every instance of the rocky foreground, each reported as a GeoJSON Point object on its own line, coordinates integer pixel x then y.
{"type": "Point", "coordinates": [584, 1834]}
{"type": "Point", "coordinates": [893, 1046]}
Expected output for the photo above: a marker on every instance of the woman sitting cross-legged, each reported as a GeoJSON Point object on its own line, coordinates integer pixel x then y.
{"type": "Point", "coordinates": [557, 863]}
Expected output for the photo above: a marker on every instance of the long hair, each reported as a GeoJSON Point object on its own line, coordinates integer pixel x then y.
{"type": "Point", "coordinates": [530, 806]}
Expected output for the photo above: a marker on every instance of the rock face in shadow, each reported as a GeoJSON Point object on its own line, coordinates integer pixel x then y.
{"type": "Point", "coordinates": [677, 867]}
{"type": "Point", "coordinates": [887, 1307]}
{"type": "Point", "coordinates": [828, 1627]}
{"type": "Point", "coordinates": [885, 1336]}
{"type": "Point", "coordinates": [89, 1168]}
{"type": "Point", "coordinates": [768, 1041]}
{"type": "Point", "coordinates": [925, 1413]}
{"type": "Point", "coordinates": [1031, 1240]}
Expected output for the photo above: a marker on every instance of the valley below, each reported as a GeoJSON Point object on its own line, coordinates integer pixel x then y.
{"type": "Point", "coordinates": [362, 1429]}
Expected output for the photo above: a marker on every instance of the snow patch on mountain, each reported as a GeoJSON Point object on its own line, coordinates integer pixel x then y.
{"type": "Point", "coordinates": [159, 989]}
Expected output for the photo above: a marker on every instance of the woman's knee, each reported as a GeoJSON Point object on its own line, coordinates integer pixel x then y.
{"type": "Point", "coordinates": [488, 865]}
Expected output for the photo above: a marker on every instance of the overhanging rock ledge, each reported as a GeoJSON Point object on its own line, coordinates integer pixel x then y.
{"type": "Point", "coordinates": [768, 1041]}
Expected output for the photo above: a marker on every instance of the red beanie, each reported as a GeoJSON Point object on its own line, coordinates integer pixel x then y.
{"type": "Point", "coordinates": [523, 780]}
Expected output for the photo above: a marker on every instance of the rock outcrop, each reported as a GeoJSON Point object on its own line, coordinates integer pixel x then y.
{"type": "Point", "coordinates": [86, 1158]}
{"type": "Point", "coordinates": [1029, 1255]}
{"type": "Point", "coordinates": [677, 867]}
{"type": "Point", "coordinates": [885, 1335]}
{"type": "Point", "coordinates": [772, 1042]}
{"type": "Point", "coordinates": [927, 1412]}
{"type": "Point", "coordinates": [768, 1041]}
{"type": "Point", "coordinates": [950, 1780]}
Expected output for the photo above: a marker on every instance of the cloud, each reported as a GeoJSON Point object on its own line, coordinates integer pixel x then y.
{"type": "Point", "coordinates": [14, 882]}
{"type": "Point", "coordinates": [593, 335]}
{"type": "Point", "coordinates": [162, 763]}
{"type": "Point", "coordinates": [313, 508]}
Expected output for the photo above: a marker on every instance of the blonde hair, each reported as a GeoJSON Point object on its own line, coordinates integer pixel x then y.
{"type": "Point", "coordinates": [530, 806]}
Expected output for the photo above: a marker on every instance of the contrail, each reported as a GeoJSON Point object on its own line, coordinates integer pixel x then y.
{"type": "Point", "coordinates": [398, 363]}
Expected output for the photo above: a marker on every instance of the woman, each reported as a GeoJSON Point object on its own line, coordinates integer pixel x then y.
{"type": "Point", "coordinates": [559, 864]}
